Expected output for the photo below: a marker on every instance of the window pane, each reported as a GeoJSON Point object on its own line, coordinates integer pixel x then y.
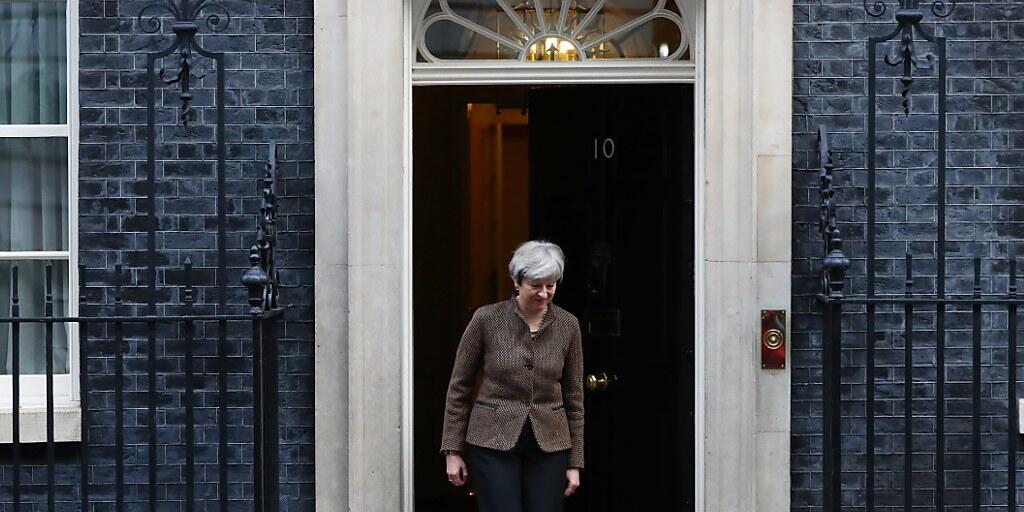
{"type": "Point", "coordinates": [552, 30]}
{"type": "Point", "coordinates": [449, 40]}
{"type": "Point", "coordinates": [33, 58]}
{"type": "Point", "coordinates": [31, 298]}
{"type": "Point", "coordinates": [659, 38]}
{"type": "Point", "coordinates": [33, 194]}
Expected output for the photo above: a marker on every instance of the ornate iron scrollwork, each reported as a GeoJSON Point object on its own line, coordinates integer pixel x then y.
{"type": "Point", "coordinates": [835, 263]}
{"type": "Point", "coordinates": [262, 278]}
{"type": "Point", "coordinates": [875, 9]}
{"type": "Point", "coordinates": [909, 17]}
{"type": "Point", "coordinates": [187, 15]}
{"type": "Point", "coordinates": [940, 8]}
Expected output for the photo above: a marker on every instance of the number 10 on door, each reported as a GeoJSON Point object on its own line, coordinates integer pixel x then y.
{"type": "Point", "coordinates": [604, 148]}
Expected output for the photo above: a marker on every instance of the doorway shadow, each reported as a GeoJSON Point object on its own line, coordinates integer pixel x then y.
{"type": "Point", "coordinates": [605, 172]}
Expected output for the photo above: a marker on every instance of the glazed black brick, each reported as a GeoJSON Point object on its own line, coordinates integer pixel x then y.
{"type": "Point", "coordinates": [984, 220]}
{"type": "Point", "coordinates": [269, 77]}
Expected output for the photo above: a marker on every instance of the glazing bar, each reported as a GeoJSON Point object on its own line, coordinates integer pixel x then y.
{"type": "Point", "coordinates": [51, 476]}
{"type": "Point", "coordinates": [16, 390]}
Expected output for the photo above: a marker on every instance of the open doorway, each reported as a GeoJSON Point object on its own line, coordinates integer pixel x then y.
{"type": "Point", "coordinates": [606, 172]}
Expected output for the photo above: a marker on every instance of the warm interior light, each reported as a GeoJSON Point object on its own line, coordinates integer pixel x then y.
{"type": "Point", "coordinates": [553, 49]}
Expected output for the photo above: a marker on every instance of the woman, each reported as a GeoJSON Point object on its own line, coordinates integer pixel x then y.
{"type": "Point", "coordinates": [522, 432]}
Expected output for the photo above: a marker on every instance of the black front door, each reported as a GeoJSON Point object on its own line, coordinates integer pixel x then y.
{"type": "Point", "coordinates": [611, 181]}
{"type": "Point", "coordinates": [605, 172]}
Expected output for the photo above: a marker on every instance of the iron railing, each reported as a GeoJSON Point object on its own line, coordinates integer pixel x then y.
{"type": "Point", "coordinates": [104, 341]}
{"type": "Point", "coordinates": [167, 340]}
{"type": "Point", "coordinates": [186, 18]}
{"type": "Point", "coordinates": [931, 414]}
{"type": "Point", "coordinates": [915, 317]}
{"type": "Point", "coordinates": [152, 397]}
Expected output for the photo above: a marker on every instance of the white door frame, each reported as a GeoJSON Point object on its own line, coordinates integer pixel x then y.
{"type": "Point", "coordinates": [363, 377]}
{"type": "Point", "coordinates": [515, 73]}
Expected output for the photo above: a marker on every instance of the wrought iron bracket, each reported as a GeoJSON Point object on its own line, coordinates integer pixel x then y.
{"type": "Point", "coordinates": [909, 18]}
{"type": "Point", "coordinates": [940, 8]}
{"type": "Point", "coordinates": [187, 15]}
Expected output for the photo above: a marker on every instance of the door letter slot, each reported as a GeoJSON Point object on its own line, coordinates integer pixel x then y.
{"type": "Point", "coordinates": [773, 339]}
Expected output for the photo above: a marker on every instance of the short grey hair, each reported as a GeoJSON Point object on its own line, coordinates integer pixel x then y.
{"type": "Point", "coordinates": [536, 259]}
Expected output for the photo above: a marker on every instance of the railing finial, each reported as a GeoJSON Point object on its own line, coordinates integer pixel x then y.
{"type": "Point", "coordinates": [15, 299]}
{"type": "Point", "coordinates": [1012, 288]}
{"type": "Point", "coordinates": [255, 281]}
{"type": "Point", "coordinates": [118, 280]}
{"type": "Point", "coordinates": [834, 262]}
{"type": "Point", "coordinates": [188, 295]}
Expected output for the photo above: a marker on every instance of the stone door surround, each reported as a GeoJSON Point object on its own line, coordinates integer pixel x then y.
{"type": "Point", "coordinates": [363, 232]}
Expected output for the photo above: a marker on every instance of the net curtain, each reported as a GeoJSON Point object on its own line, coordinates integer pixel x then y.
{"type": "Point", "coordinates": [33, 172]}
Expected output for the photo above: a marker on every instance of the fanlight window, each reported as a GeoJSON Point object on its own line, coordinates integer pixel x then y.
{"type": "Point", "coordinates": [554, 30]}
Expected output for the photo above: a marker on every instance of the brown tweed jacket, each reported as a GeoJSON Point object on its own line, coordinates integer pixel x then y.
{"type": "Point", "coordinates": [537, 376]}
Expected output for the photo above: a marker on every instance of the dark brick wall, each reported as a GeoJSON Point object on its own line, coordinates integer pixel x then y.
{"type": "Point", "coordinates": [269, 98]}
{"type": "Point", "coordinates": [985, 219]}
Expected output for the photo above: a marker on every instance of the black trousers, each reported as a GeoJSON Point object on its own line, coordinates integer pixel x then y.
{"type": "Point", "coordinates": [524, 479]}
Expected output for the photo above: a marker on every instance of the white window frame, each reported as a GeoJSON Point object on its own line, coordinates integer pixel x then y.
{"type": "Point", "coordinates": [67, 401]}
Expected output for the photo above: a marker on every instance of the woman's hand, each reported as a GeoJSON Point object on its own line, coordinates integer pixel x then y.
{"type": "Point", "coordinates": [572, 475]}
{"type": "Point", "coordinates": [457, 472]}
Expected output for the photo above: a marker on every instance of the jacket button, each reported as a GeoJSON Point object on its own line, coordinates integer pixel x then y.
{"type": "Point", "coordinates": [528, 366]}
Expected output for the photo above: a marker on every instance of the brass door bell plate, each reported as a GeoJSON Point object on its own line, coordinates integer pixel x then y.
{"type": "Point", "coordinates": [773, 339]}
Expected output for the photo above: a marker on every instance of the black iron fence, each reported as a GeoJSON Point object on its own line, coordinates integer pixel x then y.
{"type": "Point", "coordinates": [919, 364]}
{"type": "Point", "coordinates": [177, 383]}
{"type": "Point", "coordinates": [182, 386]}
{"type": "Point", "coordinates": [919, 397]}
{"type": "Point", "coordinates": [143, 379]}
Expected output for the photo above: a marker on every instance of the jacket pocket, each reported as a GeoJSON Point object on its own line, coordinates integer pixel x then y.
{"type": "Point", "coordinates": [489, 405]}
{"type": "Point", "coordinates": [558, 407]}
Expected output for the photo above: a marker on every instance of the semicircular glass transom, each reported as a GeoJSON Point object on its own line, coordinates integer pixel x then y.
{"type": "Point", "coordinates": [554, 30]}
